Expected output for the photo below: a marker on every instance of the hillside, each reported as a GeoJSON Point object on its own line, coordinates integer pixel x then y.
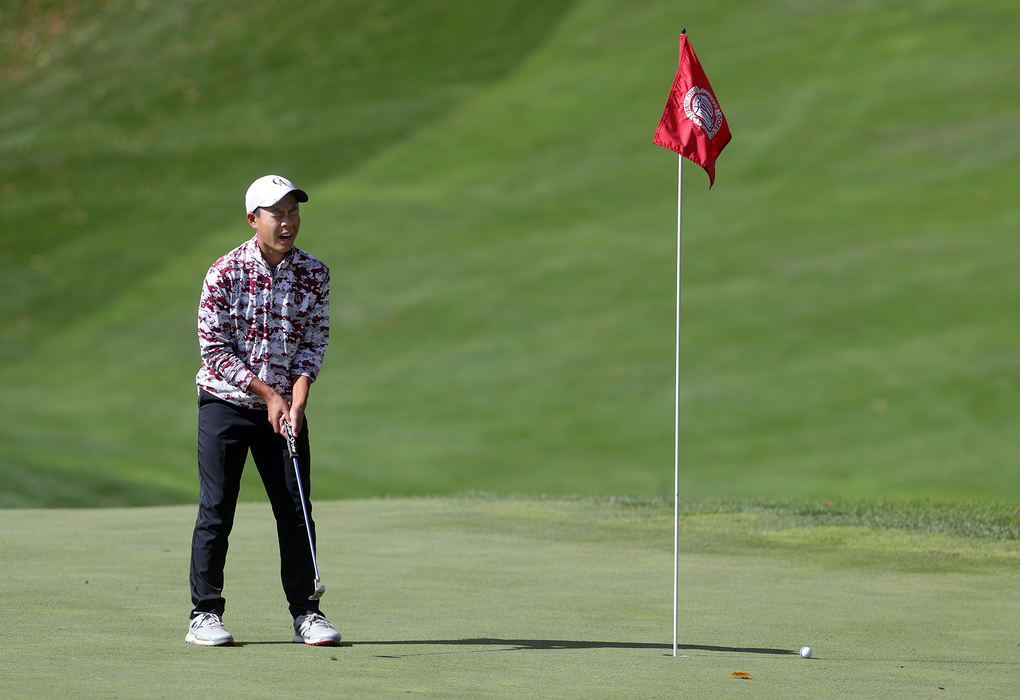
{"type": "Point", "coordinates": [502, 236]}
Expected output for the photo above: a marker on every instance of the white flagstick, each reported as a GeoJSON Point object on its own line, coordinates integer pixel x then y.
{"type": "Point", "coordinates": [676, 414]}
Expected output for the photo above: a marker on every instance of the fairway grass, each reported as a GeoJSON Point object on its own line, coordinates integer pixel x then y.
{"type": "Point", "coordinates": [525, 597]}
{"type": "Point", "coordinates": [501, 234]}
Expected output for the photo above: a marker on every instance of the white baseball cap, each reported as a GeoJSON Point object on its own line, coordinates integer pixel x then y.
{"type": "Point", "coordinates": [270, 189]}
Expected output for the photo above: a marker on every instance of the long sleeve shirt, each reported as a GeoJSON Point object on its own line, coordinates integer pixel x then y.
{"type": "Point", "coordinates": [254, 321]}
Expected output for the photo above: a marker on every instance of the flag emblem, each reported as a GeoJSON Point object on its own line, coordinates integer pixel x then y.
{"type": "Point", "coordinates": [692, 123]}
{"type": "Point", "coordinates": [701, 107]}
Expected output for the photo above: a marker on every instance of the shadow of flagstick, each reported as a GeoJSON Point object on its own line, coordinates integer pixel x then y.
{"type": "Point", "coordinates": [560, 644]}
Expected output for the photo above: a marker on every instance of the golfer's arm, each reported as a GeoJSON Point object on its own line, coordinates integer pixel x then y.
{"type": "Point", "coordinates": [302, 385]}
{"type": "Point", "coordinates": [265, 392]}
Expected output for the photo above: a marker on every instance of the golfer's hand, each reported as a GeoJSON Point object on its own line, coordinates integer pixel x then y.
{"type": "Point", "coordinates": [277, 407]}
{"type": "Point", "coordinates": [296, 418]}
{"type": "Point", "coordinates": [278, 410]}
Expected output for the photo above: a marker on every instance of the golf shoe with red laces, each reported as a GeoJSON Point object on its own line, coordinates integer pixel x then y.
{"type": "Point", "coordinates": [314, 629]}
{"type": "Point", "coordinates": [207, 630]}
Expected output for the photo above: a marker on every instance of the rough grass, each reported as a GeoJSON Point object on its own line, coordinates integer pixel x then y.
{"type": "Point", "coordinates": [501, 232]}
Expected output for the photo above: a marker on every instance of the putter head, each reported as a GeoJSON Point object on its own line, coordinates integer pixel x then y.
{"type": "Point", "coordinates": [319, 591]}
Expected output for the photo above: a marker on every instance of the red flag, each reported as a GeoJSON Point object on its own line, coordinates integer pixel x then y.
{"type": "Point", "coordinates": [692, 123]}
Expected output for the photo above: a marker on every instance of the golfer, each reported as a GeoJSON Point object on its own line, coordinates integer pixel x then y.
{"type": "Point", "coordinates": [263, 327]}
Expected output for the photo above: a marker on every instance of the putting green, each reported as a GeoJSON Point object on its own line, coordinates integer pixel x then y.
{"type": "Point", "coordinates": [515, 597]}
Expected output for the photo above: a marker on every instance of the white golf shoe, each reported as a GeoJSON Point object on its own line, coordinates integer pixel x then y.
{"type": "Point", "coordinates": [207, 630]}
{"type": "Point", "coordinates": [314, 629]}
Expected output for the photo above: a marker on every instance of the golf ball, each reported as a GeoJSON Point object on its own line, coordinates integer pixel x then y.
{"type": "Point", "coordinates": [806, 652]}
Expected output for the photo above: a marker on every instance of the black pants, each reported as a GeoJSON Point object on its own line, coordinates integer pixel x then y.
{"type": "Point", "coordinates": [226, 433]}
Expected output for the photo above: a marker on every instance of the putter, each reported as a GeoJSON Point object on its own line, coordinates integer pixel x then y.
{"type": "Point", "coordinates": [292, 449]}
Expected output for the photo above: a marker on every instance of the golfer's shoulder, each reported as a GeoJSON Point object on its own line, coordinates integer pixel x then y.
{"type": "Point", "coordinates": [306, 264]}
{"type": "Point", "coordinates": [237, 260]}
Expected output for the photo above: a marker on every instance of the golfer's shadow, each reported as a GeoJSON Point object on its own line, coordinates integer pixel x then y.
{"type": "Point", "coordinates": [551, 644]}
{"type": "Point", "coordinates": [283, 642]}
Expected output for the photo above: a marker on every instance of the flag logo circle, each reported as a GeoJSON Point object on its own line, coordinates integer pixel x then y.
{"type": "Point", "coordinates": [702, 109]}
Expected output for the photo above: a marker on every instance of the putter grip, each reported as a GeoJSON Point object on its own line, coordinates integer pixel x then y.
{"type": "Point", "coordinates": [291, 441]}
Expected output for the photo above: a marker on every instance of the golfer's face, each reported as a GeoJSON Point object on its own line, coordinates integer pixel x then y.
{"type": "Point", "coordinates": [277, 226]}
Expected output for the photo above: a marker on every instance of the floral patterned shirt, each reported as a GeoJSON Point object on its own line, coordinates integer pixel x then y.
{"type": "Point", "coordinates": [254, 321]}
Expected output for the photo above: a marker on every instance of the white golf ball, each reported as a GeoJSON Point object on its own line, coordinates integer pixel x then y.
{"type": "Point", "coordinates": [806, 652]}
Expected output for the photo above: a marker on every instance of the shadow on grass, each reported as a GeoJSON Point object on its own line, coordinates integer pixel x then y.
{"type": "Point", "coordinates": [547, 644]}
{"type": "Point", "coordinates": [282, 642]}
{"type": "Point", "coordinates": [532, 645]}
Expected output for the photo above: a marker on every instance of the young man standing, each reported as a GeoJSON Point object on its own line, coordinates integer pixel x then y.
{"type": "Point", "coordinates": [263, 327]}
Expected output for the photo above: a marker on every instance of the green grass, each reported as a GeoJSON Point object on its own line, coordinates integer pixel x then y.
{"type": "Point", "coordinates": [522, 597]}
{"type": "Point", "coordinates": [501, 234]}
